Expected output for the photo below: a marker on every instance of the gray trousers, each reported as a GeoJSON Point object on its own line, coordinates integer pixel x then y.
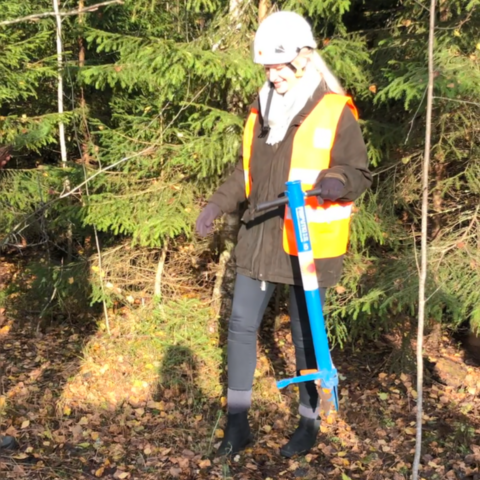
{"type": "Point", "coordinates": [249, 304]}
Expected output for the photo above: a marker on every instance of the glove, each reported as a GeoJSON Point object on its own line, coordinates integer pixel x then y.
{"type": "Point", "coordinates": [204, 224]}
{"type": "Point", "coordinates": [4, 156]}
{"type": "Point", "coordinates": [332, 188]}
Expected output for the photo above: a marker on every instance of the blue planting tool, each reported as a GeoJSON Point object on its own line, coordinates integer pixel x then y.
{"type": "Point", "coordinates": [325, 376]}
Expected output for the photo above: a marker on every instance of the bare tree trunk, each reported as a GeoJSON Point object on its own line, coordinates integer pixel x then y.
{"type": "Point", "coordinates": [234, 8]}
{"type": "Point", "coordinates": [263, 8]}
{"type": "Point", "coordinates": [234, 12]}
{"type": "Point", "coordinates": [424, 252]}
{"type": "Point", "coordinates": [81, 43]}
{"type": "Point", "coordinates": [61, 127]}
{"type": "Point", "coordinates": [225, 276]}
{"type": "Point", "coordinates": [158, 277]}
{"type": "Point", "coordinates": [83, 103]}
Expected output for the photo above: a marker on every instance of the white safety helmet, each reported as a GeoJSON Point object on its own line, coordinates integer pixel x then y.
{"type": "Point", "coordinates": [280, 37]}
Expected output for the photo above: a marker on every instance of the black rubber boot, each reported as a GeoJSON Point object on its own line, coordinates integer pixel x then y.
{"type": "Point", "coordinates": [8, 443]}
{"type": "Point", "coordinates": [237, 434]}
{"type": "Point", "coordinates": [303, 439]}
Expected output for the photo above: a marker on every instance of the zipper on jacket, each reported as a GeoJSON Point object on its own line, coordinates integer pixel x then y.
{"type": "Point", "coordinates": [276, 147]}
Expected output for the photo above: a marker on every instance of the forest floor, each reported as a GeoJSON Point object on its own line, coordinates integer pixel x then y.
{"type": "Point", "coordinates": [86, 405]}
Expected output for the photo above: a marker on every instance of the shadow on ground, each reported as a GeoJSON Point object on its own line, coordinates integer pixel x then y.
{"type": "Point", "coordinates": [173, 434]}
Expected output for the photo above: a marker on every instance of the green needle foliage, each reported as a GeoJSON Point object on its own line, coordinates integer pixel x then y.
{"type": "Point", "coordinates": [155, 112]}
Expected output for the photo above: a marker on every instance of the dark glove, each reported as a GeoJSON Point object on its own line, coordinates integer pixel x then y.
{"type": "Point", "coordinates": [332, 188]}
{"type": "Point", "coordinates": [204, 224]}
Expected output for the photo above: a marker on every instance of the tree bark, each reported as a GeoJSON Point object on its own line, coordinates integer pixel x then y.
{"type": "Point", "coordinates": [158, 277]}
{"type": "Point", "coordinates": [424, 249]}
{"type": "Point", "coordinates": [225, 277]}
{"type": "Point", "coordinates": [61, 126]}
{"type": "Point", "coordinates": [83, 104]}
{"type": "Point", "coordinates": [263, 8]}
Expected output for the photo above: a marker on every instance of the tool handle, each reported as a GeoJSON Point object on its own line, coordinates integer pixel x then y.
{"type": "Point", "coordinates": [284, 200]}
{"type": "Point", "coordinates": [315, 193]}
{"type": "Point", "coordinates": [273, 203]}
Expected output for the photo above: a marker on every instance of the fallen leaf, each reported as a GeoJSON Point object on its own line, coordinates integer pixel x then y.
{"type": "Point", "coordinates": [156, 405]}
{"type": "Point", "coordinates": [219, 433]}
{"type": "Point", "coordinates": [20, 456]}
{"type": "Point", "coordinates": [175, 472]}
{"type": "Point", "coordinates": [25, 424]}
{"type": "Point", "coordinates": [19, 471]}
{"type": "Point", "coordinates": [4, 330]}
{"type": "Point", "coordinates": [204, 463]}
{"type": "Point", "coordinates": [121, 475]}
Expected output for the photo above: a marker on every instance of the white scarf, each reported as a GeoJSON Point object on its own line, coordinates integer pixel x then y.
{"type": "Point", "coordinates": [283, 108]}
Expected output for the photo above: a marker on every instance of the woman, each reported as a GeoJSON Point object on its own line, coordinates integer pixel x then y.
{"type": "Point", "coordinates": [302, 126]}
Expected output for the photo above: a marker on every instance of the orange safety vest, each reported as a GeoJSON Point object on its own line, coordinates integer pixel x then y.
{"type": "Point", "coordinates": [329, 224]}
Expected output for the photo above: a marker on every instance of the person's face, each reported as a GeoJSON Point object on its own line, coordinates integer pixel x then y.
{"type": "Point", "coordinates": [283, 77]}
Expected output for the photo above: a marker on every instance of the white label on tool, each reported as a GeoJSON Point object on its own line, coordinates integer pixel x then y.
{"type": "Point", "coordinates": [302, 224]}
{"type": "Point", "coordinates": [307, 269]}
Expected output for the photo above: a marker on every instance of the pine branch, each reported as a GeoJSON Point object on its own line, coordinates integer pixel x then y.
{"type": "Point", "coordinates": [458, 101]}
{"type": "Point", "coordinates": [415, 116]}
{"type": "Point", "coordinates": [91, 8]}
{"type": "Point", "coordinates": [424, 249]}
{"type": "Point", "coordinates": [421, 5]}
{"type": "Point", "coordinates": [22, 225]}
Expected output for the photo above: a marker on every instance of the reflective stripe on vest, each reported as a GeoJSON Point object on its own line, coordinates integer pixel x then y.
{"type": "Point", "coordinates": [329, 224]}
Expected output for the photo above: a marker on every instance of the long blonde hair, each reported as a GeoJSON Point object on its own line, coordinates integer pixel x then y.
{"type": "Point", "coordinates": [322, 68]}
